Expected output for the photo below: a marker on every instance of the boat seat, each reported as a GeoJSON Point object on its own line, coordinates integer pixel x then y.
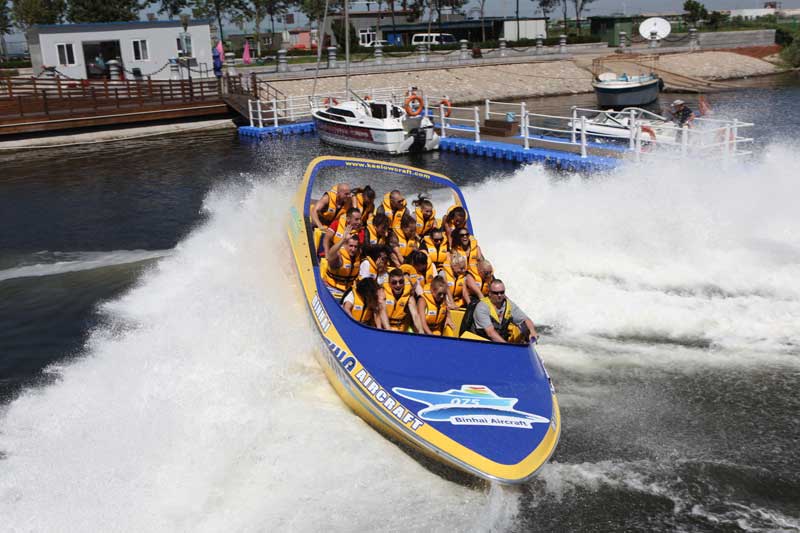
{"type": "Point", "coordinates": [472, 336]}
{"type": "Point", "coordinates": [457, 315]}
{"type": "Point", "coordinates": [318, 233]}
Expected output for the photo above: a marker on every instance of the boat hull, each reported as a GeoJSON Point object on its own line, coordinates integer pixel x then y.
{"type": "Point", "coordinates": [621, 94]}
{"type": "Point", "coordinates": [395, 141]}
{"type": "Point", "coordinates": [495, 421]}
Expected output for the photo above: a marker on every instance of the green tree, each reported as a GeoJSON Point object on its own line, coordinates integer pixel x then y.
{"type": "Point", "coordinates": [580, 6]}
{"type": "Point", "coordinates": [173, 8]}
{"type": "Point", "coordinates": [256, 11]}
{"type": "Point", "coordinates": [26, 13]}
{"type": "Point", "coordinates": [104, 10]}
{"type": "Point", "coordinates": [337, 28]}
{"type": "Point", "coordinates": [217, 9]}
{"type": "Point", "coordinates": [315, 11]}
{"type": "Point", "coordinates": [791, 54]}
{"type": "Point", "coordinates": [717, 19]}
{"type": "Point", "coordinates": [695, 11]}
{"type": "Point", "coordinates": [5, 27]}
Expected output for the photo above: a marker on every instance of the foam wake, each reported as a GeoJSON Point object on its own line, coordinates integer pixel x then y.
{"type": "Point", "coordinates": [208, 412]}
{"type": "Point", "coordinates": [54, 263]}
{"type": "Point", "coordinates": [683, 253]}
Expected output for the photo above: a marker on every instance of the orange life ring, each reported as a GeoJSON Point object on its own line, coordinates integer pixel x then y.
{"type": "Point", "coordinates": [448, 109]}
{"type": "Point", "coordinates": [648, 130]}
{"type": "Point", "coordinates": [410, 110]}
{"type": "Point", "coordinates": [328, 101]}
{"type": "Point", "coordinates": [367, 98]}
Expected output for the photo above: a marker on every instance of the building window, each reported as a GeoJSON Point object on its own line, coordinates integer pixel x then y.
{"type": "Point", "coordinates": [66, 56]}
{"type": "Point", "coordinates": [366, 36]}
{"type": "Point", "coordinates": [140, 52]}
{"type": "Point", "coordinates": [185, 44]}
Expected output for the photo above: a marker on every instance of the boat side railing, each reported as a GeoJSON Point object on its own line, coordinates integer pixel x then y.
{"type": "Point", "coordinates": [708, 138]}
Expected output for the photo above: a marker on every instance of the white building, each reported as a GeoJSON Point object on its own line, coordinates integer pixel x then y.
{"type": "Point", "coordinates": [752, 14]}
{"type": "Point", "coordinates": [142, 47]}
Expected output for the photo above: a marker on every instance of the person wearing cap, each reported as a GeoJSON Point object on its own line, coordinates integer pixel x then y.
{"type": "Point", "coordinates": [680, 113]}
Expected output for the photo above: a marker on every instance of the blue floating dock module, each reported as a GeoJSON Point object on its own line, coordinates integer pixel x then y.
{"type": "Point", "coordinates": [296, 128]}
{"type": "Point", "coordinates": [513, 152]}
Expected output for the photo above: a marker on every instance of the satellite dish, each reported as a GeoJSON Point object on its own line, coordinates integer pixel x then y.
{"type": "Point", "coordinates": [607, 76]}
{"type": "Point", "coordinates": [654, 24]}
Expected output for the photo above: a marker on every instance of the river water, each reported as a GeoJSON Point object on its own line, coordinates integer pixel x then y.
{"type": "Point", "coordinates": [156, 368]}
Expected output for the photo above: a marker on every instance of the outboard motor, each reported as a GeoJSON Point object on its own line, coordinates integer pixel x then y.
{"type": "Point", "coordinates": [420, 138]}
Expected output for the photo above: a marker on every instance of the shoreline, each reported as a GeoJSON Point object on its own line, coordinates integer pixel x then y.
{"type": "Point", "coordinates": [467, 86]}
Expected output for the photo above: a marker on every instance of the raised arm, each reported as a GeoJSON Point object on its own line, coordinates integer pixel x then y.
{"type": "Point", "coordinates": [332, 255]}
{"type": "Point", "coordinates": [319, 206]}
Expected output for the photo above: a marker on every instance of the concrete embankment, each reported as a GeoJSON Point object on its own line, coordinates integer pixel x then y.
{"type": "Point", "coordinates": [101, 136]}
{"type": "Point", "coordinates": [547, 78]}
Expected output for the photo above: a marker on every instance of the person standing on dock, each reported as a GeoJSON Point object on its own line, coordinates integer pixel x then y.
{"type": "Point", "coordinates": [680, 113]}
{"type": "Point", "coordinates": [332, 205]}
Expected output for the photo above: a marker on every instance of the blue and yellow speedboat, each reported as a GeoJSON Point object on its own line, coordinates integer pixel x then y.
{"type": "Point", "coordinates": [486, 408]}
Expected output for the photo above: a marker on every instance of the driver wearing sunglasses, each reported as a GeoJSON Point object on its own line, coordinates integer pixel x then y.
{"type": "Point", "coordinates": [498, 319]}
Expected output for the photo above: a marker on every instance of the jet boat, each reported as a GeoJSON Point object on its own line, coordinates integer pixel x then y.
{"type": "Point", "coordinates": [485, 408]}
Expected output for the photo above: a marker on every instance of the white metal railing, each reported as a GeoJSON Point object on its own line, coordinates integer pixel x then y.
{"type": "Point", "coordinates": [708, 137]}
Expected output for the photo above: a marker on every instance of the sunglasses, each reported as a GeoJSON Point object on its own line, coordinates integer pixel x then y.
{"type": "Point", "coordinates": [463, 234]}
{"type": "Point", "coordinates": [498, 293]}
{"type": "Point", "coordinates": [396, 282]}
{"type": "Point", "coordinates": [441, 294]}
{"type": "Point", "coordinates": [440, 239]}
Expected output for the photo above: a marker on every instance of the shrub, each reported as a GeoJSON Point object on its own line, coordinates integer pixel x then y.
{"type": "Point", "coordinates": [15, 63]}
{"type": "Point", "coordinates": [791, 54]}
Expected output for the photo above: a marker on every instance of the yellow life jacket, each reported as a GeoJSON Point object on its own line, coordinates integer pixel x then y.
{"type": "Point", "coordinates": [485, 283]}
{"type": "Point", "coordinates": [343, 277]}
{"type": "Point", "coordinates": [373, 269]}
{"type": "Point", "coordinates": [361, 312]}
{"type": "Point", "coordinates": [424, 226]}
{"type": "Point", "coordinates": [333, 211]}
{"type": "Point", "coordinates": [448, 227]}
{"type": "Point", "coordinates": [358, 202]}
{"type": "Point", "coordinates": [438, 256]}
{"type": "Point", "coordinates": [435, 315]}
{"type": "Point", "coordinates": [470, 255]}
{"type": "Point", "coordinates": [501, 325]}
{"type": "Point", "coordinates": [338, 235]}
{"type": "Point", "coordinates": [455, 284]}
{"type": "Point", "coordinates": [371, 235]}
{"type": "Point", "coordinates": [406, 246]}
{"type": "Point", "coordinates": [396, 308]}
{"type": "Point", "coordinates": [394, 217]}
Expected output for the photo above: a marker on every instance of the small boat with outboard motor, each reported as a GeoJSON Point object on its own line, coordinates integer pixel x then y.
{"type": "Point", "coordinates": [618, 124]}
{"type": "Point", "coordinates": [482, 407]}
{"type": "Point", "coordinates": [617, 91]}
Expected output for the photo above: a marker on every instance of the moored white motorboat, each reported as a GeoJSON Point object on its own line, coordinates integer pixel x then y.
{"type": "Point", "coordinates": [617, 124]}
{"type": "Point", "coordinates": [374, 125]}
{"type": "Point", "coordinates": [623, 91]}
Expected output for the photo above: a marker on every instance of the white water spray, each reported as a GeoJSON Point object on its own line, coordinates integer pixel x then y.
{"type": "Point", "coordinates": [202, 408]}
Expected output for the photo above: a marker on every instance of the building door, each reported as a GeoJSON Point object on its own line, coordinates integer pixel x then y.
{"type": "Point", "coordinates": [97, 54]}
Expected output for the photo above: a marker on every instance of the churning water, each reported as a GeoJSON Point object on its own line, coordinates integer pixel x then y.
{"type": "Point", "coordinates": [185, 395]}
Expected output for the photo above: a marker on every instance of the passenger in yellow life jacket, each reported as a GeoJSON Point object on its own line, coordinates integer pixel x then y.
{"type": "Point", "coordinates": [425, 215]}
{"type": "Point", "coordinates": [400, 306]}
{"type": "Point", "coordinates": [377, 230]}
{"type": "Point", "coordinates": [362, 304]}
{"type": "Point", "coordinates": [335, 231]}
{"type": "Point", "coordinates": [477, 286]}
{"type": "Point", "coordinates": [498, 319]}
{"type": "Point", "coordinates": [432, 308]}
{"type": "Point", "coordinates": [394, 207]}
{"type": "Point", "coordinates": [340, 266]}
{"type": "Point", "coordinates": [465, 245]}
{"type": "Point", "coordinates": [422, 272]}
{"type": "Point", "coordinates": [376, 264]}
{"type": "Point", "coordinates": [455, 218]}
{"type": "Point", "coordinates": [403, 240]}
{"type": "Point", "coordinates": [454, 275]}
{"type": "Point", "coordinates": [364, 200]}
{"type": "Point", "coordinates": [436, 247]}
{"type": "Point", "coordinates": [331, 206]}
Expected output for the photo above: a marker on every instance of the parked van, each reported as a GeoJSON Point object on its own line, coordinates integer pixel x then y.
{"type": "Point", "coordinates": [433, 38]}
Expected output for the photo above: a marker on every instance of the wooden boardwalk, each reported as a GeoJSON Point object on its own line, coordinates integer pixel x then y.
{"type": "Point", "coordinates": [31, 105]}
